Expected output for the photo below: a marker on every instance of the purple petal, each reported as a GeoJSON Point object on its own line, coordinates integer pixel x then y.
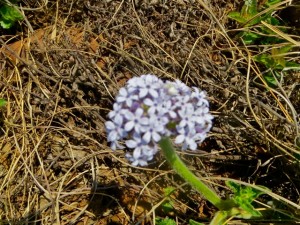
{"type": "Point", "coordinates": [153, 93]}
{"type": "Point", "coordinates": [143, 93]}
{"type": "Point", "coordinates": [129, 115]}
{"type": "Point", "coordinates": [193, 145]}
{"type": "Point", "coordinates": [131, 143]}
{"type": "Point", "coordinates": [129, 126]}
{"type": "Point", "coordinates": [179, 139]}
{"type": "Point", "coordinates": [139, 112]}
{"type": "Point", "coordinates": [156, 137]}
{"type": "Point", "coordinates": [148, 102]}
{"type": "Point", "coordinates": [144, 121]}
{"type": "Point", "coordinates": [110, 125]}
{"type": "Point", "coordinates": [137, 153]}
{"type": "Point", "coordinates": [112, 136]}
{"type": "Point", "coordinates": [147, 137]}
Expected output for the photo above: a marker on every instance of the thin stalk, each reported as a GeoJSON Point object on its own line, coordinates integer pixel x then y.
{"type": "Point", "coordinates": [219, 218]}
{"type": "Point", "coordinates": [190, 178]}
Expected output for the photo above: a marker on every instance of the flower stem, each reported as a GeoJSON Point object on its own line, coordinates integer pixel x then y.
{"type": "Point", "coordinates": [219, 218]}
{"type": "Point", "coordinates": [189, 177]}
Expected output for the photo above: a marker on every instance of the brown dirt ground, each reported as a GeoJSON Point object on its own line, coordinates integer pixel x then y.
{"type": "Point", "coordinates": [60, 69]}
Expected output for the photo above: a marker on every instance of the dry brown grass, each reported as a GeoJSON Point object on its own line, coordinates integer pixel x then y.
{"type": "Point", "coordinates": [59, 74]}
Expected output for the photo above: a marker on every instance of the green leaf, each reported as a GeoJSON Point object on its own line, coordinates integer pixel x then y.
{"type": "Point", "coordinates": [285, 49]}
{"type": "Point", "coordinates": [270, 79]}
{"type": "Point", "coordinates": [237, 16]}
{"type": "Point", "coordinates": [5, 24]}
{"type": "Point", "coordinates": [273, 21]}
{"type": "Point", "coordinates": [297, 156]}
{"type": "Point", "coordinates": [233, 186]}
{"type": "Point", "coordinates": [292, 65]}
{"type": "Point", "coordinates": [244, 196]}
{"type": "Point", "coordinates": [8, 16]}
{"type": "Point", "coordinates": [272, 2]}
{"type": "Point", "coordinates": [250, 37]}
{"type": "Point", "coordinates": [280, 62]}
{"type": "Point", "coordinates": [168, 191]}
{"type": "Point", "coordinates": [268, 18]}
{"type": "Point", "coordinates": [249, 9]}
{"type": "Point", "coordinates": [167, 205]}
{"type": "Point", "coordinates": [10, 13]}
{"type": "Point", "coordinates": [248, 193]}
{"type": "Point", "coordinates": [265, 59]}
{"type": "Point", "coordinates": [2, 102]}
{"type": "Point", "coordinates": [250, 211]}
{"type": "Point", "coordinates": [254, 21]}
{"type": "Point", "coordinates": [165, 221]}
{"type": "Point", "coordinates": [193, 222]}
{"type": "Point", "coordinates": [278, 56]}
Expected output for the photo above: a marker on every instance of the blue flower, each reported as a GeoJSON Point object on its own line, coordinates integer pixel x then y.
{"type": "Point", "coordinates": [153, 131]}
{"type": "Point", "coordinates": [125, 96]}
{"type": "Point", "coordinates": [135, 120]}
{"type": "Point", "coordinates": [149, 85]}
{"type": "Point", "coordinates": [147, 109]}
{"type": "Point", "coordinates": [187, 138]}
{"type": "Point", "coordinates": [115, 133]}
{"type": "Point", "coordinates": [186, 114]}
{"type": "Point", "coordinates": [142, 152]}
{"type": "Point", "coordinates": [117, 114]}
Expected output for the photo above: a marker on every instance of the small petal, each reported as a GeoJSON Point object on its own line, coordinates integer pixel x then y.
{"type": "Point", "coordinates": [112, 136]}
{"type": "Point", "coordinates": [129, 115]}
{"type": "Point", "coordinates": [110, 125]}
{"type": "Point", "coordinates": [192, 144]}
{"type": "Point", "coordinates": [131, 143]}
{"type": "Point", "coordinates": [139, 112]}
{"type": "Point", "coordinates": [179, 139]}
{"type": "Point", "coordinates": [144, 121]}
{"type": "Point", "coordinates": [147, 137]}
{"type": "Point", "coordinates": [148, 102]}
{"type": "Point", "coordinates": [129, 126]}
{"type": "Point", "coordinates": [156, 137]}
{"type": "Point", "coordinates": [153, 93]}
{"type": "Point", "coordinates": [143, 93]}
{"type": "Point", "coordinates": [137, 153]}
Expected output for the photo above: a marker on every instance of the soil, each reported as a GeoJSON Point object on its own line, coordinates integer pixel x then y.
{"type": "Point", "coordinates": [60, 70]}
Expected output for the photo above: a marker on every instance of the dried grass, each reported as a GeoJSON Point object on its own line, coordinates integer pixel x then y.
{"type": "Point", "coordinates": [59, 77]}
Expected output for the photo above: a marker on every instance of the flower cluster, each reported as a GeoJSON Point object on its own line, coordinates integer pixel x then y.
{"type": "Point", "coordinates": [148, 109]}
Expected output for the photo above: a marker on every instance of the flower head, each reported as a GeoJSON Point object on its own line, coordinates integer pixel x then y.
{"type": "Point", "coordinates": [147, 109]}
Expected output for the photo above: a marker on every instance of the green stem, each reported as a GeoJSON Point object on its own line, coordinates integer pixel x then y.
{"type": "Point", "coordinates": [219, 218]}
{"type": "Point", "coordinates": [189, 177]}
